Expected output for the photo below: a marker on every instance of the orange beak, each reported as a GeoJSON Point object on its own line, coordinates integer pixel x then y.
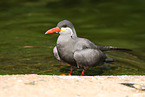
{"type": "Point", "coordinates": [56, 29]}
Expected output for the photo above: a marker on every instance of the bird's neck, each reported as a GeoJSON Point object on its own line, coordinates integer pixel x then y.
{"type": "Point", "coordinates": [65, 40]}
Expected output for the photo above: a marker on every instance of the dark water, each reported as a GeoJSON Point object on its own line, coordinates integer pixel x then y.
{"type": "Point", "coordinates": [25, 49]}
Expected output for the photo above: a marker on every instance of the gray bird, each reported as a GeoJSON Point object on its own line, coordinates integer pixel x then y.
{"type": "Point", "coordinates": [79, 52]}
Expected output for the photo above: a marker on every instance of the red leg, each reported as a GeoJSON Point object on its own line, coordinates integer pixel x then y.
{"type": "Point", "coordinates": [83, 72]}
{"type": "Point", "coordinates": [70, 72]}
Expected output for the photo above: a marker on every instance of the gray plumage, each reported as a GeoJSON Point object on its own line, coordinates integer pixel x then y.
{"type": "Point", "coordinates": [80, 51]}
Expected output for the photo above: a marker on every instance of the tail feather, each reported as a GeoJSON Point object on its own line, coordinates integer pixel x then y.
{"type": "Point", "coordinates": [110, 48]}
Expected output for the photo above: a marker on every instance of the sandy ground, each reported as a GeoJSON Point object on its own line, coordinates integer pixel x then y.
{"type": "Point", "coordinates": [71, 86]}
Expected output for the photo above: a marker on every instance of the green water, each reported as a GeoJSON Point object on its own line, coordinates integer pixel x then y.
{"type": "Point", "coordinates": [25, 49]}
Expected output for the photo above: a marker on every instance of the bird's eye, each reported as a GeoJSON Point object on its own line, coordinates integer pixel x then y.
{"type": "Point", "coordinates": [64, 26]}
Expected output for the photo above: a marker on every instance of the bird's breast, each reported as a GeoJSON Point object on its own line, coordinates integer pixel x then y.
{"type": "Point", "coordinates": [66, 49]}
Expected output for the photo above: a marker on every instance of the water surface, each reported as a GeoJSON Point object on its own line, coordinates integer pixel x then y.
{"type": "Point", "coordinates": [25, 49]}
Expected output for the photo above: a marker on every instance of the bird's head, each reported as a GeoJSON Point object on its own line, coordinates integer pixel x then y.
{"type": "Point", "coordinates": [64, 27]}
